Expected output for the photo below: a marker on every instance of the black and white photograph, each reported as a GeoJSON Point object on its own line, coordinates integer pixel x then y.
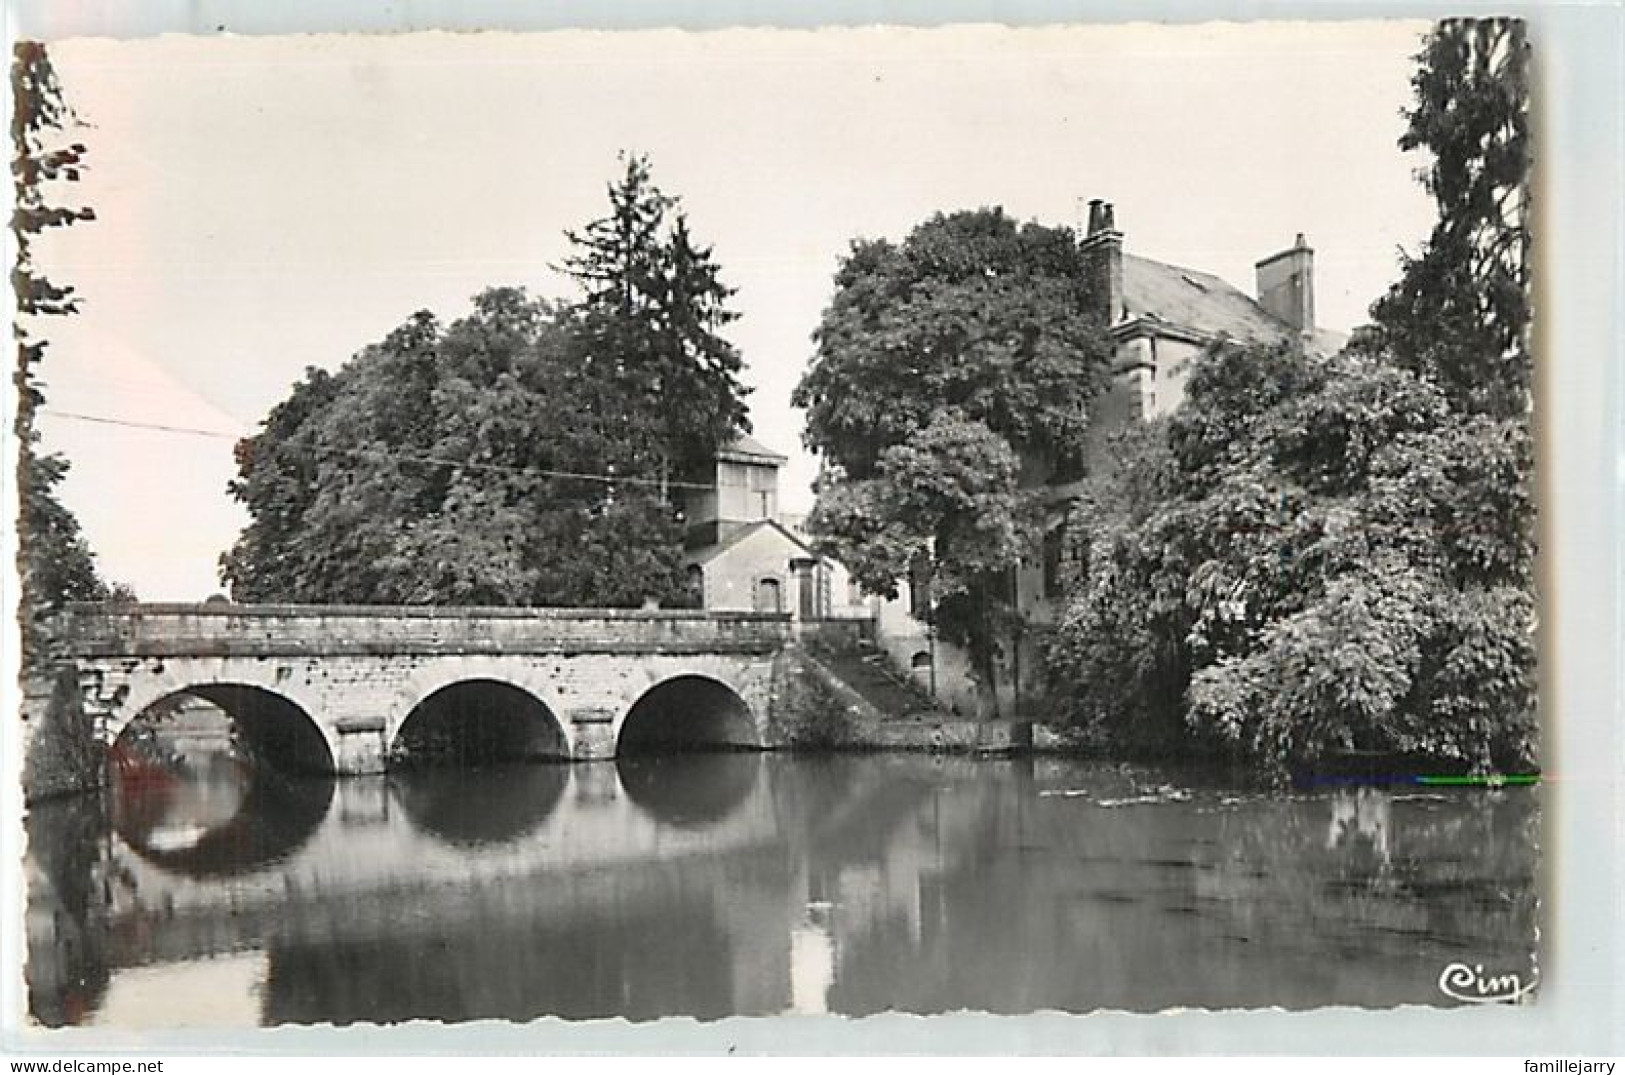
{"type": "Point", "coordinates": [652, 524]}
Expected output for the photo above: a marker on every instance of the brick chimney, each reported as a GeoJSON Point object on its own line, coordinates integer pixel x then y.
{"type": "Point", "coordinates": [1102, 250]}
{"type": "Point", "coordinates": [1286, 286]}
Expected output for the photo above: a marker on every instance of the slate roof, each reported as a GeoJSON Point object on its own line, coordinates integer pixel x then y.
{"type": "Point", "coordinates": [1196, 301]}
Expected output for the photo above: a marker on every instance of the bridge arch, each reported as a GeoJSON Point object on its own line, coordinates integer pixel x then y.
{"type": "Point", "coordinates": [686, 712]}
{"type": "Point", "coordinates": [272, 720]}
{"type": "Point", "coordinates": [477, 709]}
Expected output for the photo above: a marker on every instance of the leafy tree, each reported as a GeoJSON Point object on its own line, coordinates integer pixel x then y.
{"type": "Point", "coordinates": [431, 470]}
{"type": "Point", "coordinates": [1337, 554]}
{"type": "Point", "coordinates": [1309, 576]}
{"type": "Point", "coordinates": [55, 562]}
{"type": "Point", "coordinates": [952, 374]}
{"type": "Point", "coordinates": [653, 308]}
{"type": "Point", "coordinates": [521, 456]}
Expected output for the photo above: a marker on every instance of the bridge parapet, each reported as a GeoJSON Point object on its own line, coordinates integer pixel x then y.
{"type": "Point", "coordinates": [226, 630]}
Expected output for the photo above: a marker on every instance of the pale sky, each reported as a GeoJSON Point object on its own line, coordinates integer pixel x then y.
{"type": "Point", "coordinates": [268, 204]}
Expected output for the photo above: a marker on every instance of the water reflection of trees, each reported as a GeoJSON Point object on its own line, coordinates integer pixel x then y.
{"type": "Point", "coordinates": [923, 884]}
{"type": "Point", "coordinates": [67, 870]}
{"type": "Point", "coordinates": [636, 945]}
{"type": "Point", "coordinates": [1375, 870]}
{"type": "Point", "coordinates": [1188, 899]}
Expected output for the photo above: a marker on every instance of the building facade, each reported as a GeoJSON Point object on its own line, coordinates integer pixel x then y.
{"type": "Point", "coordinates": [743, 554]}
{"type": "Point", "coordinates": [1161, 318]}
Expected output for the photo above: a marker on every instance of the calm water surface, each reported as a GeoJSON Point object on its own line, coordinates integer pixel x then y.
{"type": "Point", "coordinates": [743, 884]}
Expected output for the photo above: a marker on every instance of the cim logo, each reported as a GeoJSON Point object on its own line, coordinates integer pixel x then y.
{"type": "Point", "coordinates": [1470, 985]}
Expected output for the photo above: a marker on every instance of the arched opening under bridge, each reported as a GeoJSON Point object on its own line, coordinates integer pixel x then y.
{"type": "Point", "coordinates": [479, 722]}
{"type": "Point", "coordinates": [688, 713]}
{"type": "Point", "coordinates": [256, 724]}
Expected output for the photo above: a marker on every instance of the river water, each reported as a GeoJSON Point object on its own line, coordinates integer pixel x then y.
{"type": "Point", "coordinates": [748, 884]}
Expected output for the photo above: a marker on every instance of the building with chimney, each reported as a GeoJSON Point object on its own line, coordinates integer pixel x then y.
{"type": "Point", "coordinates": [1161, 318]}
{"type": "Point", "coordinates": [743, 554]}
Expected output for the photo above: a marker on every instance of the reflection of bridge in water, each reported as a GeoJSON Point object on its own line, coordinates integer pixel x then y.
{"type": "Point", "coordinates": [859, 884]}
{"type": "Point", "coordinates": [423, 827]}
{"type": "Point", "coordinates": [632, 872]}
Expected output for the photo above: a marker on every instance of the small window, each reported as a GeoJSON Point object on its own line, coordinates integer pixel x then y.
{"type": "Point", "coordinates": [1054, 546]}
{"type": "Point", "coordinates": [769, 595]}
{"type": "Point", "coordinates": [920, 661]}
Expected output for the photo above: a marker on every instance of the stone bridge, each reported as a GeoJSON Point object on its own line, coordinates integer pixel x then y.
{"type": "Point", "coordinates": [351, 689]}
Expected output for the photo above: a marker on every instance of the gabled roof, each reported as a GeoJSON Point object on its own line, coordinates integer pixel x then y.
{"type": "Point", "coordinates": [705, 556]}
{"type": "Point", "coordinates": [1199, 303]}
{"type": "Point", "coordinates": [747, 449]}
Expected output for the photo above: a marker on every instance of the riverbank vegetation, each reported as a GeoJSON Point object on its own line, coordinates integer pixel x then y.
{"type": "Point", "coordinates": [523, 455]}
{"type": "Point", "coordinates": [1315, 556]}
{"type": "Point", "coordinates": [54, 561]}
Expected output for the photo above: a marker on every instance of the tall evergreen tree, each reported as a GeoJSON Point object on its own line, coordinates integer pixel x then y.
{"type": "Point", "coordinates": [521, 456]}
{"type": "Point", "coordinates": [653, 309]}
{"type": "Point", "coordinates": [1460, 312]}
{"type": "Point", "coordinates": [54, 561]}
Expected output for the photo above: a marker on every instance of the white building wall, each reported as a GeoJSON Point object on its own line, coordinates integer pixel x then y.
{"type": "Point", "coordinates": [906, 641]}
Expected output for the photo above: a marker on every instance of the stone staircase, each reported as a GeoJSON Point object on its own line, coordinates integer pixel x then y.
{"type": "Point", "coordinates": [867, 671]}
{"type": "Point", "coordinates": [894, 713]}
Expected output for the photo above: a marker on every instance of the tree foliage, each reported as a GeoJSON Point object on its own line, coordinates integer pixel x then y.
{"type": "Point", "coordinates": [522, 456]}
{"type": "Point", "coordinates": [653, 309]}
{"type": "Point", "coordinates": [54, 561]}
{"type": "Point", "coordinates": [948, 368]}
{"type": "Point", "coordinates": [1328, 565]}
{"type": "Point", "coordinates": [972, 312]}
{"type": "Point", "coordinates": [428, 471]}
{"type": "Point", "coordinates": [1322, 555]}
{"type": "Point", "coordinates": [1460, 312]}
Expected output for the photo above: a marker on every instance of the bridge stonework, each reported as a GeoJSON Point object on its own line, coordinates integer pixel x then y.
{"type": "Point", "coordinates": [358, 672]}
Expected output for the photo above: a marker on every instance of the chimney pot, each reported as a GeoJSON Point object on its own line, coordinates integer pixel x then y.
{"type": "Point", "coordinates": [1286, 286]}
{"type": "Point", "coordinates": [1102, 249]}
